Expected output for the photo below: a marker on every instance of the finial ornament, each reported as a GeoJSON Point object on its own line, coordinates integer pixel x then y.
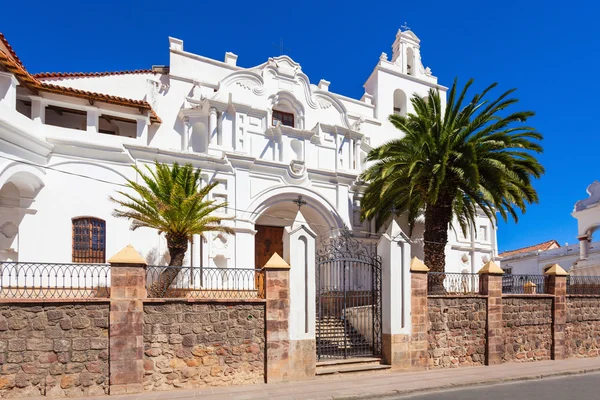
{"type": "Point", "coordinates": [405, 27]}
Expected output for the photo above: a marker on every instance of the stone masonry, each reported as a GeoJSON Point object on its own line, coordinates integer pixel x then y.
{"type": "Point", "coordinates": [457, 331]}
{"type": "Point", "coordinates": [189, 345]}
{"type": "Point", "coordinates": [57, 350]}
{"type": "Point", "coordinates": [583, 326]}
{"type": "Point", "coordinates": [527, 328]}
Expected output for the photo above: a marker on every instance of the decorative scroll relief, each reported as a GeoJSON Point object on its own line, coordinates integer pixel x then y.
{"type": "Point", "coordinates": [324, 103]}
{"type": "Point", "coordinates": [9, 230]}
{"type": "Point", "coordinates": [594, 197]}
{"type": "Point", "coordinates": [219, 245]}
{"type": "Point", "coordinates": [245, 80]}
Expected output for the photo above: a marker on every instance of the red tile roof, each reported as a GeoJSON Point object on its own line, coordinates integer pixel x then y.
{"type": "Point", "coordinates": [10, 49]}
{"type": "Point", "coordinates": [550, 244]}
{"type": "Point", "coordinates": [43, 75]}
{"type": "Point", "coordinates": [12, 64]}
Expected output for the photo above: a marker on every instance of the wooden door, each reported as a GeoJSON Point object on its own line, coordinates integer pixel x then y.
{"type": "Point", "coordinates": [268, 241]}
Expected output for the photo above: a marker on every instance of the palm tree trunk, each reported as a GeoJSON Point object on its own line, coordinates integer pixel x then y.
{"type": "Point", "coordinates": [437, 221]}
{"type": "Point", "coordinates": [177, 245]}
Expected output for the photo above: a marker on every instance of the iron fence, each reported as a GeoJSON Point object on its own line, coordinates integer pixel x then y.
{"type": "Point", "coordinates": [583, 285]}
{"type": "Point", "coordinates": [447, 283]}
{"type": "Point", "coordinates": [204, 283]}
{"type": "Point", "coordinates": [19, 280]}
{"type": "Point", "coordinates": [523, 284]}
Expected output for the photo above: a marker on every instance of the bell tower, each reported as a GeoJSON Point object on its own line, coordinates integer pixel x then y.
{"type": "Point", "coordinates": [406, 52]}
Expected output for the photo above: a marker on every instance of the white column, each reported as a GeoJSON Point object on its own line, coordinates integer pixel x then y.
{"type": "Point", "coordinates": [142, 129]}
{"type": "Point", "coordinates": [337, 151]}
{"type": "Point", "coordinates": [93, 119]}
{"type": "Point", "coordinates": [342, 203]}
{"type": "Point", "coordinates": [395, 253]}
{"type": "Point", "coordinates": [185, 135]}
{"type": "Point", "coordinates": [357, 144]}
{"type": "Point", "coordinates": [212, 126]}
{"type": "Point", "coordinates": [351, 154]}
{"type": "Point", "coordinates": [394, 250]}
{"type": "Point", "coordinates": [583, 247]}
{"type": "Point", "coordinates": [8, 90]}
{"type": "Point", "coordinates": [299, 253]}
{"type": "Point", "coordinates": [38, 109]}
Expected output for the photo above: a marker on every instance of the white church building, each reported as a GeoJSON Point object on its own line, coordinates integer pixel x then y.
{"type": "Point", "coordinates": [266, 133]}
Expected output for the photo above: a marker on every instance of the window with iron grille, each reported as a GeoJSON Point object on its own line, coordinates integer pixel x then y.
{"type": "Point", "coordinates": [89, 240]}
{"type": "Point", "coordinates": [286, 119]}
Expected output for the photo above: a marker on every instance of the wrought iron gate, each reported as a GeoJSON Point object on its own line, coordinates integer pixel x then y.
{"type": "Point", "coordinates": [348, 284]}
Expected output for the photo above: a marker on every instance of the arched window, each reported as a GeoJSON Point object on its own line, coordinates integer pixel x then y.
{"type": "Point", "coordinates": [399, 102]}
{"type": "Point", "coordinates": [89, 240]}
{"type": "Point", "coordinates": [285, 118]}
{"type": "Point", "coordinates": [410, 67]}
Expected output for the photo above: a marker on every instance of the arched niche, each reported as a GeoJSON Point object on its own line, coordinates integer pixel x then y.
{"type": "Point", "coordinates": [199, 138]}
{"type": "Point", "coordinates": [297, 148]}
{"type": "Point", "coordinates": [400, 102]}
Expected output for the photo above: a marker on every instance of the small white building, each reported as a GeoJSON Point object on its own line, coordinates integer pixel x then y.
{"type": "Point", "coordinates": [580, 259]}
{"type": "Point", "coordinates": [265, 133]}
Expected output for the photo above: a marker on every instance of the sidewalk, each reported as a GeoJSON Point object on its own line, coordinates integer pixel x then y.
{"type": "Point", "coordinates": [371, 386]}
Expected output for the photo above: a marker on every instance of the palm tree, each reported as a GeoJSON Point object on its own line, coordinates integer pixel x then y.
{"type": "Point", "coordinates": [454, 161]}
{"type": "Point", "coordinates": [172, 202]}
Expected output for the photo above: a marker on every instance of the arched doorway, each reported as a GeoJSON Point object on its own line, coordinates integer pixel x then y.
{"type": "Point", "coordinates": [347, 271]}
{"type": "Point", "coordinates": [19, 185]}
{"type": "Point", "coordinates": [277, 208]}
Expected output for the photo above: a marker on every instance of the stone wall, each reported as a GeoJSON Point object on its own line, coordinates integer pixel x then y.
{"type": "Point", "coordinates": [582, 334]}
{"type": "Point", "coordinates": [457, 334]}
{"type": "Point", "coordinates": [57, 350]}
{"type": "Point", "coordinates": [527, 328]}
{"type": "Point", "coordinates": [189, 345]}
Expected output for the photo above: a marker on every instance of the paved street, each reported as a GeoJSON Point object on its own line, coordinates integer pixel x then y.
{"type": "Point", "coordinates": [580, 387]}
{"type": "Point", "coordinates": [393, 385]}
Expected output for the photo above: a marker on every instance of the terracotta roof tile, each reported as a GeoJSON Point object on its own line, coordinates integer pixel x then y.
{"type": "Point", "coordinates": [10, 49]}
{"type": "Point", "coordinates": [13, 65]}
{"type": "Point", "coordinates": [43, 75]}
{"type": "Point", "coordinates": [550, 244]}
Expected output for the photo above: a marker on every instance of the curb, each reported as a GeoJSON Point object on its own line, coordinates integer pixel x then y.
{"type": "Point", "coordinates": [395, 393]}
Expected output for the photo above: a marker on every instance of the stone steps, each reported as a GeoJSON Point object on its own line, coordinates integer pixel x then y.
{"type": "Point", "coordinates": [350, 366]}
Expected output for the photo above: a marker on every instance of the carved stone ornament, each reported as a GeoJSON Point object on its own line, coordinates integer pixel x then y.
{"type": "Point", "coordinates": [594, 197]}
{"type": "Point", "coordinates": [297, 168]}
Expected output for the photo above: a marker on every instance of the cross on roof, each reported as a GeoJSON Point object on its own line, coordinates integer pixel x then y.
{"type": "Point", "coordinates": [282, 48]}
{"type": "Point", "coordinates": [299, 202]}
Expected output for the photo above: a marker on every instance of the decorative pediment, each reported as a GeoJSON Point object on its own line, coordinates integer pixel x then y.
{"type": "Point", "coordinates": [594, 192]}
{"type": "Point", "coordinates": [284, 66]}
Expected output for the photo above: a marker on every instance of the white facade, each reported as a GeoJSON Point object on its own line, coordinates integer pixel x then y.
{"type": "Point", "coordinates": [63, 153]}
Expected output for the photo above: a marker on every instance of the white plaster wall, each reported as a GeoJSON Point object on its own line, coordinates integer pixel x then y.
{"type": "Point", "coordinates": [46, 235]}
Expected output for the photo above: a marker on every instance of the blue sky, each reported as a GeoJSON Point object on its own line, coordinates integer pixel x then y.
{"type": "Point", "coordinates": [548, 50]}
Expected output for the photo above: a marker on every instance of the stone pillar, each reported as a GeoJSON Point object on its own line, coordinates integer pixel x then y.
{"type": "Point", "coordinates": [419, 317]}
{"type": "Point", "coordinates": [38, 109]}
{"type": "Point", "coordinates": [583, 247]}
{"type": "Point", "coordinates": [490, 285]}
{"type": "Point", "coordinates": [8, 90]}
{"type": "Point", "coordinates": [93, 119]}
{"type": "Point", "coordinates": [557, 286]}
{"type": "Point", "coordinates": [142, 129]}
{"type": "Point", "coordinates": [299, 253]}
{"type": "Point", "coordinates": [395, 297]}
{"type": "Point", "coordinates": [277, 294]}
{"type": "Point", "coordinates": [127, 291]}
